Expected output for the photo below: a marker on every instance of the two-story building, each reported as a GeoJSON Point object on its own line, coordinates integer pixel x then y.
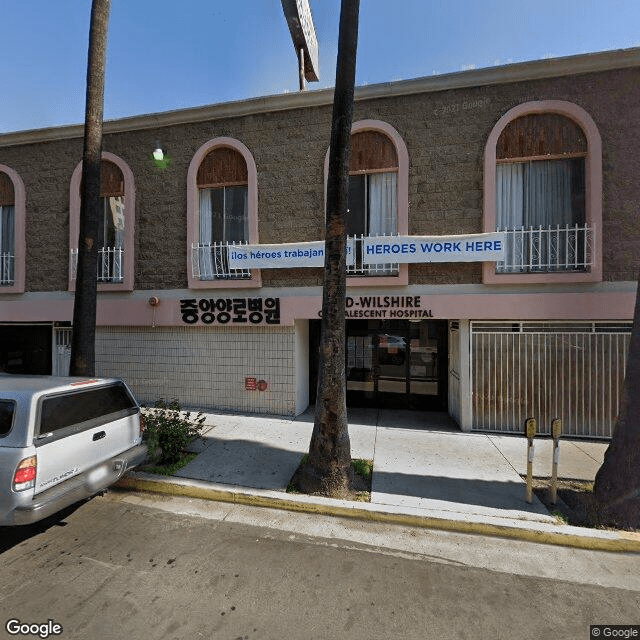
{"type": "Point", "coordinates": [209, 278]}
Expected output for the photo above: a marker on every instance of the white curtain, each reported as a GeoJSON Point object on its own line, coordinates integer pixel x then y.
{"type": "Point", "coordinates": [530, 195]}
{"type": "Point", "coordinates": [510, 212]}
{"type": "Point", "coordinates": [116, 208]}
{"type": "Point", "coordinates": [205, 258]}
{"type": "Point", "coordinates": [383, 204]}
{"type": "Point", "coordinates": [533, 194]}
{"type": "Point", "coordinates": [205, 216]}
{"type": "Point", "coordinates": [510, 195]}
{"type": "Point", "coordinates": [548, 188]}
{"type": "Point", "coordinates": [7, 243]}
{"type": "Point", "coordinates": [7, 229]}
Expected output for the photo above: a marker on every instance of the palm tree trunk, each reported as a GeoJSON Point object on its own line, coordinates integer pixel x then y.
{"type": "Point", "coordinates": [617, 486]}
{"type": "Point", "coordinates": [328, 467]}
{"type": "Point", "coordinates": [84, 309]}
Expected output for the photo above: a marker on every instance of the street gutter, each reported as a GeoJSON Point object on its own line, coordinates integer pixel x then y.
{"type": "Point", "coordinates": [560, 534]}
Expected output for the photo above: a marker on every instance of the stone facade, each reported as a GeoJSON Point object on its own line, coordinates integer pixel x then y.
{"type": "Point", "coordinates": [445, 123]}
{"type": "Point", "coordinates": [445, 133]}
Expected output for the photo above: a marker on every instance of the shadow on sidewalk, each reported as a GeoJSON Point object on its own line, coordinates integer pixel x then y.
{"type": "Point", "coordinates": [417, 420]}
{"type": "Point", "coordinates": [491, 494]}
{"type": "Point", "coordinates": [392, 418]}
{"type": "Point", "coordinates": [244, 463]}
{"type": "Point", "coordinates": [260, 465]}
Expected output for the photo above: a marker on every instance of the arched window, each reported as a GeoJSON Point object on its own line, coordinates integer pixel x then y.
{"type": "Point", "coordinates": [378, 193]}
{"type": "Point", "coordinates": [115, 238]}
{"type": "Point", "coordinates": [222, 203]}
{"type": "Point", "coordinates": [112, 224]}
{"type": "Point", "coordinates": [7, 231]}
{"type": "Point", "coordinates": [543, 167]}
{"type": "Point", "coordinates": [12, 238]}
{"type": "Point", "coordinates": [373, 185]}
{"type": "Point", "coordinates": [223, 189]}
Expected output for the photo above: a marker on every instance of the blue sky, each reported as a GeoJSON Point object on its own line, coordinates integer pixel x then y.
{"type": "Point", "coordinates": [165, 55]}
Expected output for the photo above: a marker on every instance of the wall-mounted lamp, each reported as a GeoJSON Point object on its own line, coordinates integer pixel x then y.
{"type": "Point", "coordinates": [153, 302]}
{"type": "Point", "coordinates": [158, 152]}
{"type": "Point", "coordinates": [160, 158]}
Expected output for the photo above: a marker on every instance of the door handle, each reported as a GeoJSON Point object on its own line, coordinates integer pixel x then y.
{"type": "Point", "coordinates": [99, 435]}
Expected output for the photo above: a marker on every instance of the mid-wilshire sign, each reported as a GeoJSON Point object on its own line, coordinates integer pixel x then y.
{"type": "Point", "coordinates": [477, 247]}
{"type": "Point", "coordinates": [386, 307]}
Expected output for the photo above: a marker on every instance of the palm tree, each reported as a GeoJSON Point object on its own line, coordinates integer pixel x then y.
{"type": "Point", "coordinates": [617, 486]}
{"type": "Point", "coordinates": [328, 466]}
{"type": "Point", "coordinates": [84, 308]}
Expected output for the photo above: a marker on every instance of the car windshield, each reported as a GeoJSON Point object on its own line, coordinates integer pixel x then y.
{"type": "Point", "coordinates": [6, 416]}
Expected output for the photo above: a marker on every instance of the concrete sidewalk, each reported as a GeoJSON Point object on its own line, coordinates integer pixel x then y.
{"type": "Point", "coordinates": [426, 472]}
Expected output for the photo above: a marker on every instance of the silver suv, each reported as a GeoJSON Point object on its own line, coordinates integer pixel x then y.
{"type": "Point", "coordinates": [63, 440]}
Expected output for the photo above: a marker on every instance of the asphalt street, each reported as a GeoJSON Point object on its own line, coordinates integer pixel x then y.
{"type": "Point", "coordinates": [145, 567]}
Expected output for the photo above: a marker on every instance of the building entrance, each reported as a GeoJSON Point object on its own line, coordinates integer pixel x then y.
{"type": "Point", "coordinates": [25, 349]}
{"type": "Point", "coordinates": [392, 363]}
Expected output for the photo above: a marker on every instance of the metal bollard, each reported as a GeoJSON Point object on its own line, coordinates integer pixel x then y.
{"type": "Point", "coordinates": [556, 432]}
{"type": "Point", "coordinates": [530, 426]}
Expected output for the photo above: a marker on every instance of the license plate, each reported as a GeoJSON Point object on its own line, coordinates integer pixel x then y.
{"type": "Point", "coordinates": [97, 475]}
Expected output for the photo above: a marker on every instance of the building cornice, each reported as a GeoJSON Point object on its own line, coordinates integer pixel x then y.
{"type": "Point", "coordinates": [517, 72]}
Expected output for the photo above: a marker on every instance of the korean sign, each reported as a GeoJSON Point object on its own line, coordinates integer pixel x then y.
{"type": "Point", "coordinates": [236, 311]}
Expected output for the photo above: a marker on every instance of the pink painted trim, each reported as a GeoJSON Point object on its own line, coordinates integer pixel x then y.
{"type": "Point", "coordinates": [589, 306]}
{"type": "Point", "coordinates": [129, 223]}
{"type": "Point", "coordinates": [254, 283]}
{"type": "Point", "coordinates": [136, 311]}
{"type": "Point", "coordinates": [20, 248]}
{"type": "Point", "coordinates": [192, 213]}
{"type": "Point", "coordinates": [593, 187]}
{"type": "Point", "coordinates": [403, 198]}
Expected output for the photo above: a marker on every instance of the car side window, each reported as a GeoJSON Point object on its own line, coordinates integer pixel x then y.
{"type": "Point", "coordinates": [7, 409]}
{"type": "Point", "coordinates": [70, 409]}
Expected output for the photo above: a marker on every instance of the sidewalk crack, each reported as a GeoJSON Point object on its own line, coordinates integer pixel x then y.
{"type": "Point", "coordinates": [502, 454]}
{"type": "Point", "coordinates": [375, 443]}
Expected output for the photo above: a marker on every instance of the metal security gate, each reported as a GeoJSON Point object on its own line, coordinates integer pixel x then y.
{"type": "Point", "coordinates": [572, 371]}
{"type": "Point", "coordinates": [62, 352]}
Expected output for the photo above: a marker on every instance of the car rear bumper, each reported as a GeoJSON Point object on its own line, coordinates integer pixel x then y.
{"type": "Point", "coordinates": [77, 488]}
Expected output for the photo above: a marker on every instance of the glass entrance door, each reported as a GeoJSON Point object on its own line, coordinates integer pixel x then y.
{"type": "Point", "coordinates": [397, 363]}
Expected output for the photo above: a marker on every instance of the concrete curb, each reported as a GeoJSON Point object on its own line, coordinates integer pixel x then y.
{"type": "Point", "coordinates": [561, 535]}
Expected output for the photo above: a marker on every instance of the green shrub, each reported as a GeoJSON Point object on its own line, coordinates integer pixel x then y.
{"type": "Point", "coordinates": [170, 469]}
{"type": "Point", "coordinates": [168, 431]}
{"type": "Point", "coordinates": [363, 468]}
